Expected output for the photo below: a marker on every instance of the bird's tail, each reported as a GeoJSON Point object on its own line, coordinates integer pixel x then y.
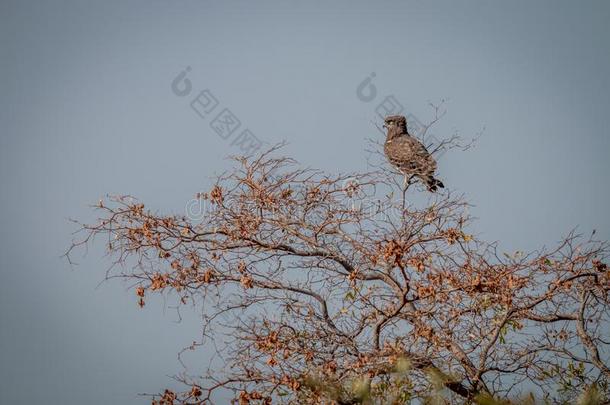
{"type": "Point", "coordinates": [434, 184]}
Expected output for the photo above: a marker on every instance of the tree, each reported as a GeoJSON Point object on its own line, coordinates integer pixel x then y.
{"type": "Point", "coordinates": [325, 289]}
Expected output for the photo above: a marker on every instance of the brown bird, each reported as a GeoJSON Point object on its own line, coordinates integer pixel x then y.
{"type": "Point", "coordinates": [408, 154]}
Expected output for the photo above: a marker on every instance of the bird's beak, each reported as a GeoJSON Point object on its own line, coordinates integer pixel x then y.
{"type": "Point", "coordinates": [385, 126]}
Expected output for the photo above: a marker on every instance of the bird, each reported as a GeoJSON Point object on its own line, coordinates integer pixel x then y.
{"type": "Point", "coordinates": [408, 154]}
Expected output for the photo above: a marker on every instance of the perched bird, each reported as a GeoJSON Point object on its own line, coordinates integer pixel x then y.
{"type": "Point", "coordinates": [408, 154]}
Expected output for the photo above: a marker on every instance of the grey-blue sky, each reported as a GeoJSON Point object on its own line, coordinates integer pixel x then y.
{"type": "Point", "coordinates": [86, 109]}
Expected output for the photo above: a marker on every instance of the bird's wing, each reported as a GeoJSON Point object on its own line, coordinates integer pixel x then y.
{"type": "Point", "coordinates": [416, 156]}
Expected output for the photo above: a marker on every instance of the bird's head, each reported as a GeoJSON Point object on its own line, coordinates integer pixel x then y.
{"type": "Point", "coordinates": [395, 124]}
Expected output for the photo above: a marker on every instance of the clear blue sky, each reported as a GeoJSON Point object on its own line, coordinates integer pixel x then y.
{"type": "Point", "coordinates": [86, 108]}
